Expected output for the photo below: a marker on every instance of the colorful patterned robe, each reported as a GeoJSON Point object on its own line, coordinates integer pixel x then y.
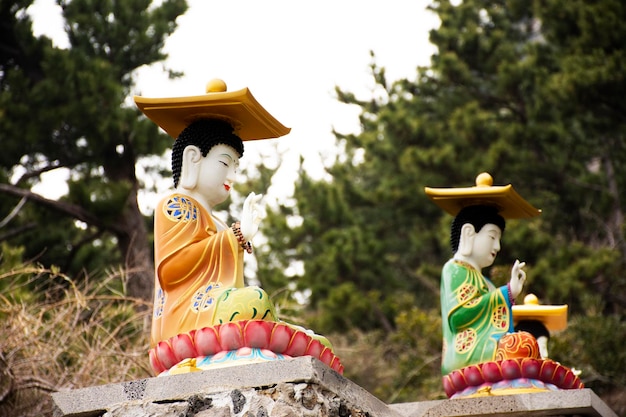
{"type": "Point", "coordinates": [194, 265]}
{"type": "Point", "coordinates": [475, 315]}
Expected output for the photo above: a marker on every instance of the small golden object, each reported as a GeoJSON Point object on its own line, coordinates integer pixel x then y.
{"type": "Point", "coordinates": [486, 390]}
{"type": "Point", "coordinates": [185, 366]}
{"type": "Point", "coordinates": [484, 180]}
{"type": "Point", "coordinates": [215, 86]}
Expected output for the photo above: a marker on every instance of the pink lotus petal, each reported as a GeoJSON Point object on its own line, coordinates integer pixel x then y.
{"type": "Point", "coordinates": [269, 353]}
{"type": "Point", "coordinates": [547, 371]}
{"type": "Point", "coordinates": [219, 355]}
{"type": "Point", "coordinates": [244, 351]}
{"type": "Point", "coordinates": [448, 386]}
{"type": "Point", "coordinates": [511, 369]}
{"type": "Point", "coordinates": [299, 343]}
{"type": "Point", "coordinates": [559, 375]}
{"type": "Point", "coordinates": [314, 349]}
{"type": "Point", "coordinates": [473, 375]}
{"type": "Point", "coordinates": [491, 372]}
{"type": "Point", "coordinates": [206, 341]}
{"type": "Point", "coordinates": [165, 355]}
{"type": "Point", "coordinates": [457, 380]}
{"type": "Point", "coordinates": [157, 367]}
{"type": "Point", "coordinates": [327, 356]}
{"type": "Point", "coordinates": [257, 333]}
{"type": "Point", "coordinates": [231, 337]}
{"type": "Point", "coordinates": [280, 338]}
{"type": "Point", "coordinates": [531, 368]}
{"type": "Point", "coordinates": [183, 347]}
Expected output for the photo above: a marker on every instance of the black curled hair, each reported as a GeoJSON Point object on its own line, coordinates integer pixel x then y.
{"type": "Point", "coordinates": [477, 216]}
{"type": "Point", "coordinates": [205, 134]}
{"type": "Point", "coordinates": [534, 327]}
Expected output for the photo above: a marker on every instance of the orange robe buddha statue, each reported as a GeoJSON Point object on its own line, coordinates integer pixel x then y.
{"type": "Point", "coordinates": [204, 314]}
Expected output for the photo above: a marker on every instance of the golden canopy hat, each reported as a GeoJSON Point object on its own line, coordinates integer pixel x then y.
{"type": "Point", "coordinates": [509, 203]}
{"type": "Point", "coordinates": [250, 121]}
{"type": "Point", "coordinates": [554, 317]}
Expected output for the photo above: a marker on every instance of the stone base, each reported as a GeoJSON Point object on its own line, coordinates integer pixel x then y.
{"type": "Point", "coordinates": [577, 402]}
{"type": "Point", "coordinates": [292, 387]}
{"type": "Point", "coordinates": [295, 387]}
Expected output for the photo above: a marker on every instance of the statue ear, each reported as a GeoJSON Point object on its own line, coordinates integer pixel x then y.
{"type": "Point", "coordinates": [190, 170]}
{"type": "Point", "coordinates": [466, 241]}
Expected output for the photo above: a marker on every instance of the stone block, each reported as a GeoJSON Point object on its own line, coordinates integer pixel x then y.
{"type": "Point", "coordinates": [297, 387]}
{"type": "Point", "coordinates": [578, 402]}
{"type": "Point", "coordinates": [301, 386]}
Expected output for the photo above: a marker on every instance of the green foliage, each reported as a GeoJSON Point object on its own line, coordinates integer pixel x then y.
{"type": "Point", "coordinates": [600, 371]}
{"type": "Point", "coordinates": [417, 343]}
{"type": "Point", "coordinates": [11, 261]}
{"type": "Point", "coordinates": [399, 366]}
{"type": "Point", "coordinates": [593, 344]}
{"type": "Point", "coordinates": [349, 307]}
{"type": "Point", "coordinates": [104, 199]}
{"type": "Point", "coordinates": [575, 270]}
{"type": "Point", "coordinates": [77, 96]}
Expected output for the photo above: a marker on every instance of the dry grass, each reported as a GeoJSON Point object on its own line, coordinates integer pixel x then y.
{"type": "Point", "coordinates": [68, 336]}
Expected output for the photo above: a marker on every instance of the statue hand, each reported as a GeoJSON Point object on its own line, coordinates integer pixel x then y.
{"type": "Point", "coordinates": [518, 276]}
{"type": "Point", "coordinates": [250, 216]}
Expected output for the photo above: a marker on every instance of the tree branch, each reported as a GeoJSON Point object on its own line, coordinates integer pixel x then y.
{"type": "Point", "coordinates": [68, 209]}
{"type": "Point", "coordinates": [36, 173]}
{"type": "Point", "coordinates": [13, 212]}
{"type": "Point", "coordinates": [16, 231]}
{"type": "Point", "coordinates": [78, 245]}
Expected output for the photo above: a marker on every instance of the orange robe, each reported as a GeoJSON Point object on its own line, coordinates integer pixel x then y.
{"type": "Point", "coordinates": [194, 264]}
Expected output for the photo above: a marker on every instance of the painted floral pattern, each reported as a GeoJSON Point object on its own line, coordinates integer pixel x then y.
{"type": "Point", "coordinates": [203, 299]}
{"type": "Point", "coordinates": [500, 318]}
{"type": "Point", "coordinates": [159, 302]}
{"type": "Point", "coordinates": [179, 208]}
{"type": "Point", "coordinates": [465, 341]}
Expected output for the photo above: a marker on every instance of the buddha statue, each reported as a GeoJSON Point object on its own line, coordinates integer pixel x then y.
{"type": "Point", "coordinates": [204, 315]}
{"type": "Point", "coordinates": [482, 353]}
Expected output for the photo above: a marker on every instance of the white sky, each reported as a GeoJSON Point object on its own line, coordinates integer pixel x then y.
{"type": "Point", "coordinates": [290, 54]}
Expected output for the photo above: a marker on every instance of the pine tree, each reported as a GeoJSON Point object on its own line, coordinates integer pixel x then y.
{"type": "Point", "coordinates": [65, 108]}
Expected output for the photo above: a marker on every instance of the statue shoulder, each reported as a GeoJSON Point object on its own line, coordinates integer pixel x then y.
{"type": "Point", "coordinates": [178, 207]}
{"type": "Point", "coordinates": [454, 265]}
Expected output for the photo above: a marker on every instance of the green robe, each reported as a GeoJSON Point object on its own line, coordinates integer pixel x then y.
{"type": "Point", "coordinates": [475, 315]}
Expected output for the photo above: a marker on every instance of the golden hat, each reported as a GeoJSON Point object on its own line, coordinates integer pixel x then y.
{"type": "Point", "coordinates": [553, 317]}
{"type": "Point", "coordinates": [250, 121]}
{"type": "Point", "coordinates": [509, 203]}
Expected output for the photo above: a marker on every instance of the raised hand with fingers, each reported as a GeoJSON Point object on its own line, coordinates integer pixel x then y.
{"type": "Point", "coordinates": [251, 216]}
{"type": "Point", "coordinates": [518, 277]}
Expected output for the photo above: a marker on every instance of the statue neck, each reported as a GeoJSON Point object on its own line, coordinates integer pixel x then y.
{"type": "Point", "coordinates": [467, 260]}
{"type": "Point", "coordinates": [199, 198]}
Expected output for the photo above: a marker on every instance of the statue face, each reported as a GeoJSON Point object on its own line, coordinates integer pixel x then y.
{"type": "Point", "coordinates": [486, 245]}
{"type": "Point", "coordinates": [216, 174]}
